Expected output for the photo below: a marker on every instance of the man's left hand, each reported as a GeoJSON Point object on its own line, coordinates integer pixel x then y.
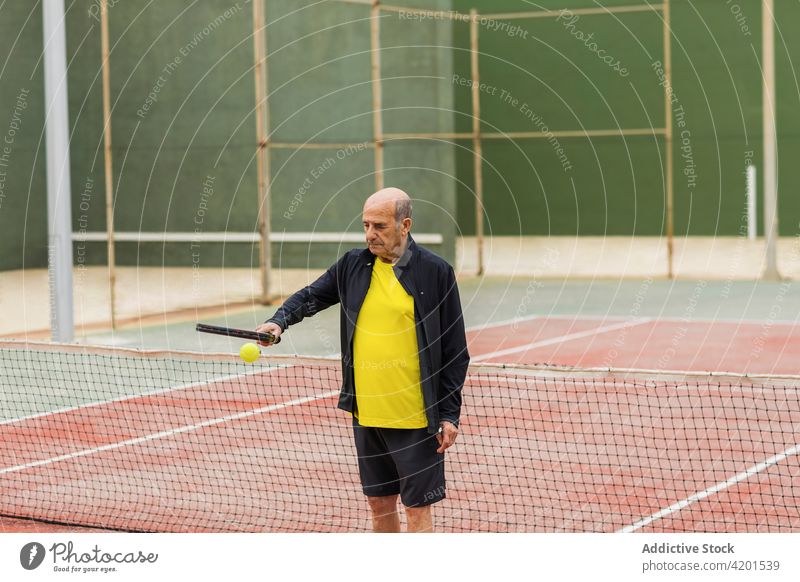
{"type": "Point", "coordinates": [447, 436]}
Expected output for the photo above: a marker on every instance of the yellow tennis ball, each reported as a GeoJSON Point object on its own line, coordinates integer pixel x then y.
{"type": "Point", "coordinates": [249, 352]}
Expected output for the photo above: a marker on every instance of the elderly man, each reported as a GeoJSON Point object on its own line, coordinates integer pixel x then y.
{"type": "Point", "coordinates": [404, 359]}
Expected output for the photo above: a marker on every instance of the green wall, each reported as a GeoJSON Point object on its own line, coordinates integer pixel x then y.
{"type": "Point", "coordinates": [183, 94]}
{"type": "Point", "coordinates": [23, 226]}
{"type": "Point", "coordinates": [615, 185]}
{"type": "Point", "coordinates": [198, 56]}
{"type": "Point", "coordinates": [538, 76]}
{"type": "Point", "coordinates": [320, 91]}
{"type": "Point", "coordinates": [200, 130]}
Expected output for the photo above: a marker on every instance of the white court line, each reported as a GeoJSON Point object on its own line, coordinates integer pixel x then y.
{"type": "Point", "coordinates": [721, 486]}
{"type": "Point", "coordinates": [657, 319]}
{"type": "Point", "coordinates": [725, 320]}
{"type": "Point", "coordinates": [478, 327]}
{"type": "Point", "coordinates": [168, 433]}
{"type": "Point", "coordinates": [561, 339]}
{"type": "Point", "coordinates": [502, 322]}
{"type": "Point", "coordinates": [141, 395]}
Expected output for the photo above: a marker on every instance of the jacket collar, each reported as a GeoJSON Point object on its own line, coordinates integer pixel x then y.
{"type": "Point", "coordinates": [411, 249]}
{"type": "Point", "coordinates": [402, 263]}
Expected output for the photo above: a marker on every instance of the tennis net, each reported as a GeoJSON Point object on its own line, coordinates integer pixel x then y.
{"type": "Point", "coordinates": [174, 442]}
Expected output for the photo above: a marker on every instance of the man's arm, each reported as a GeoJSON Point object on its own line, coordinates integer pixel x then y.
{"type": "Point", "coordinates": [455, 357]}
{"type": "Point", "coordinates": [308, 301]}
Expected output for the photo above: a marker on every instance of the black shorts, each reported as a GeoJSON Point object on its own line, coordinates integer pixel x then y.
{"type": "Point", "coordinates": [400, 461]}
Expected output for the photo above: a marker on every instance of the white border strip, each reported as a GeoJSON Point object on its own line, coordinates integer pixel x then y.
{"type": "Point", "coordinates": [241, 237]}
{"type": "Point", "coordinates": [721, 486]}
{"type": "Point", "coordinates": [168, 433]}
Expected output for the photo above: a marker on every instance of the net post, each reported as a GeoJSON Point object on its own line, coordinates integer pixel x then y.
{"type": "Point", "coordinates": [108, 163]}
{"type": "Point", "coordinates": [59, 198]}
{"type": "Point", "coordinates": [771, 272]}
{"type": "Point", "coordinates": [669, 178]}
{"type": "Point", "coordinates": [263, 149]}
{"type": "Point", "coordinates": [477, 145]}
{"type": "Point", "coordinates": [377, 94]}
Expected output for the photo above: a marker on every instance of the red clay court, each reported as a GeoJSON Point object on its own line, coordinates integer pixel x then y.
{"type": "Point", "coordinates": [166, 441]}
{"type": "Point", "coordinates": [642, 343]}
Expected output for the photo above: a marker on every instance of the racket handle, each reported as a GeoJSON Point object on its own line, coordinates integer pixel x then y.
{"type": "Point", "coordinates": [238, 333]}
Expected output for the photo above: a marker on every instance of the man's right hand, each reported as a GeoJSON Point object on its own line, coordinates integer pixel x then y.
{"type": "Point", "coordinates": [269, 327]}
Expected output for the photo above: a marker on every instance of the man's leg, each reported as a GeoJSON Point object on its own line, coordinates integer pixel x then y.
{"type": "Point", "coordinates": [385, 518]}
{"type": "Point", "coordinates": [379, 479]}
{"type": "Point", "coordinates": [419, 519]}
{"type": "Point", "coordinates": [421, 474]}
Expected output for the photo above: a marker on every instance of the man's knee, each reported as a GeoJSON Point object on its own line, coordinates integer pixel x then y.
{"type": "Point", "coordinates": [383, 505]}
{"type": "Point", "coordinates": [419, 519]}
{"type": "Point", "coordinates": [418, 512]}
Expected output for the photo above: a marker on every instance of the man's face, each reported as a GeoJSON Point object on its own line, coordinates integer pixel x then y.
{"type": "Point", "coordinates": [384, 237]}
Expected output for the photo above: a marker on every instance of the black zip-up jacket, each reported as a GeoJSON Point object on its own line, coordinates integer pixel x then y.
{"type": "Point", "coordinates": [430, 280]}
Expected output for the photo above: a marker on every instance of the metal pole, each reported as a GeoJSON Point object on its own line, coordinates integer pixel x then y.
{"type": "Point", "coordinates": [263, 153]}
{"type": "Point", "coordinates": [109, 168]}
{"type": "Point", "coordinates": [477, 144]}
{"type": "Point", "coordinates": [59, 212]}
{"type": "Point", "coordinates": [770, 142]}
{"type": "Point", "coordinates": [669, 185]}
{"type": "Point", "coordinates": [750, 195]}
{"type": "Point", "coordinates": [377, 94]}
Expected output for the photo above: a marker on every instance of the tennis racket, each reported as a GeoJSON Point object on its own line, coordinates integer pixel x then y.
{"type": "Point", "coordinates": [267, 338]}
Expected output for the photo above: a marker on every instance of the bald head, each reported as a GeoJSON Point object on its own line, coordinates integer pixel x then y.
{"type": "Point", "coordinates": [387, 222]}
{"type": "Point", "coordinates": [393, 198]}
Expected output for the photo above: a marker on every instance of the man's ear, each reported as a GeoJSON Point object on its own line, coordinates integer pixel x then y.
{"type": "Point", "coordinates": [407, 224]}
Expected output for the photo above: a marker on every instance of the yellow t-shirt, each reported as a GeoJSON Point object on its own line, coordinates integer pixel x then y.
{"type": "Point", "coordinates": [386, 356]}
